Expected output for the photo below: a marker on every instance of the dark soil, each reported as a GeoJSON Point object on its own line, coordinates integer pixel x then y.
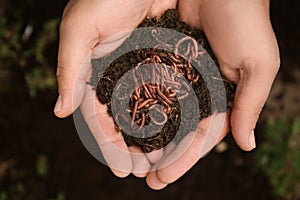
{"type": "Point", "coordinates": [178, 72]}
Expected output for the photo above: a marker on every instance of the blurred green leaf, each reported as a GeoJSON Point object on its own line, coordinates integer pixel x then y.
{"type": "Point", "coordinates": [3, 195]}
{"type": "Point", "coordinates": [31, 59]}
{"type": "Point", "coordinates": [42, 165]}
{"type": "Point", "coordinates": [40, 79]}
{"type": "Point", "coordinates": [60, 196]}
{"type": "Point", "coordinates": [48, 35]}
{"type": "Point", "coordinates": [279, 156]}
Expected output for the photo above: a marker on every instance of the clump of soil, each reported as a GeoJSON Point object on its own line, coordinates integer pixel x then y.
{"type": "Point", "coordinates": [159, 93]}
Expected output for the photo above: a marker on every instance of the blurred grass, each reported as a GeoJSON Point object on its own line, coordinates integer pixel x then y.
{"type": "Point", "coordinates": [279, 156]}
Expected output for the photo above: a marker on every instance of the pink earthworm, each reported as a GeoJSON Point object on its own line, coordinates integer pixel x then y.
{"type": "Point", "coordinates": [164, 96]}
{"type": "Point", "coordinates": [143, 121]}
{"type": "Point", "coordinates": [183, 96]}
{"type": "Point", "coordinates": [163, 114]}
{"type": "Point", "coordinates": [141, 105]}
{"type": "Point", "coordinates": [134, 111]}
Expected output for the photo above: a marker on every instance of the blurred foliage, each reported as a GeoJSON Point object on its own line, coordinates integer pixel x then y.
{"type": "Point", "coordinates": [42, 165]}
{"type": "Point", "coordinates": [20, 178]}
{"type": "Point", "coordinates": [16, 189]}
{"type": "Point", "coordinates": [60, 196]}
{"type": "Point", "coordinates": [20, 52]}
{"type": "Point", "coordinates": [279, 156]}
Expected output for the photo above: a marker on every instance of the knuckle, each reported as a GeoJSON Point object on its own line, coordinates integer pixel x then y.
{"type": "Point", "coordinates": [266, 63]}
{"type": "Point", "coordinates": [59, 71]}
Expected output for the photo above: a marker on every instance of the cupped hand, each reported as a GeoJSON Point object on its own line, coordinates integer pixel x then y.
{"type": "Point", "coordinates": [241, 36]}
{"type": "Point", "coordinates": [86, 24]}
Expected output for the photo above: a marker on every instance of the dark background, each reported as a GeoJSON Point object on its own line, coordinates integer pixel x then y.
{"type": "Point", "coordinates": [42, 157]}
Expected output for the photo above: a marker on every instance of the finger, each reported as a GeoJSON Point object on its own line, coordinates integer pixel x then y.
{"type": "Point", "coordinates": [77, 39]}
{"type": "Point", "coordinates": [153, 181]}
{"type": "Point", "coordinates": [140, 164]}
{"type": "Point", "coordinates": [110, 141]}
{"type": "Point", "coordinates": [169, 148]}
{"type": "Point", "coordinates": [209, 132]}
{"type": "Point", "coordinates": [155, 155]}
{"type": "Point", "coordinates": [159, 7]}
{"type": "Point", "coordinates": [251, 94]}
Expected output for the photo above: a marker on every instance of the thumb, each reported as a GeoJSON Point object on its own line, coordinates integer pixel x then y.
{"type": "Point", "coordinates": [76, 43]}
{"type": "Point", "coordinates": [252, 91]}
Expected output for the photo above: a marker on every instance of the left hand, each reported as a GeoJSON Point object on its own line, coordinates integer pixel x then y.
{"type": "Point", "coordinates": [241, 36]}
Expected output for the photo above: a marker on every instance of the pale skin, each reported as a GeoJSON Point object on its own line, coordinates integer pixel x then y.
{"type": "Point", "coordinates": [241, 36]}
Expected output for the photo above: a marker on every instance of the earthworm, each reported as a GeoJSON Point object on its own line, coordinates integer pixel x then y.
{"type": "Point", "coordinates": [168, 109]}
{"type": "Point", "coordinates": [173, 83]}
{"type": "Point", "coordinates": [143, 121]}
{"type": "Point", "coordinates": [163, 114]}
{"type": "Point", "coordinates": [138, 92]}
{"type": "Point", "coordinates": [136, 86]}
{"type": "Point", "coordinates": [179, 43]}
{"type": "Point", "coordinates": [152, 86]}
{"type": "Point", "coordinates": [174, 58]}
{"type": "Point", "coordinates": [168, 89]}
{"type": "Point", "coordinates": [201, 53]}
{"type": "Point", "coordinates": [195, 49]}
{"type": "Point", "coordinates": [147, 92]}
{"type": "Point", "coordinates": [141, 105]}
{"type": "Point", "coordinates": [145, 87]}
{"type": "Point", "coordinates": [196, 79]}
{"type": "Point", "coordinates": [188, 50]}
{"type": "Point", "coordinates": [140, 99]}
{"type": "Point", "coordinates": [152, 92]}
{"type": "Point", "coordinates": [162, 71]}
{"type": "Point", "coordinates": [163, 96]}
{"type": "Point", "coordinates": [189, 76]}
{"type": "Point", "coordinates": [183, 96]}
{"type": "Point", "coordinates": [172, 94]}
{"type": "Point", "coordinates": [195, 45]}
{"type": "Point", "coordinates": [117, 116]}
{"type": "Point", "coordinates": [156, 59]}
{"type": "Point", "coordinates": [153, 74]}
{"type": "Point", "coordinates": [153, 33]}
{"type": "Point", "coordinates": [186, 85]}
{"type": "Point", "coordinates": [166, 72]}
{"type": "Point", "coordinates": [175, 70]}
{"type": "Point", "coordinates": [161, 46]}
{"type": "Point", "coordinates": [134, 111]}
{"type": "Point", "coordinates": [220, 79]}
{"type": "Point", "coordinates": [135, 96]}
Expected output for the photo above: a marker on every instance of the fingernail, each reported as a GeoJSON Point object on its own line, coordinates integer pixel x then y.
{"type": "Point", "coordinates": [58, 104]}
{"type": "Point", "coordinates": [251, 141]}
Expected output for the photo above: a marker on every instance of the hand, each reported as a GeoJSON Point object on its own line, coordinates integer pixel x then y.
{"type": "Point", "coordinates": [242, 38]}
{"type": "Point", "coordinates": [85, 24]}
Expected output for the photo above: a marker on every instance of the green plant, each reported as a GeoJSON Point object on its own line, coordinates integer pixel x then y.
{"type": "Point", "coordinates": [279, 157]}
